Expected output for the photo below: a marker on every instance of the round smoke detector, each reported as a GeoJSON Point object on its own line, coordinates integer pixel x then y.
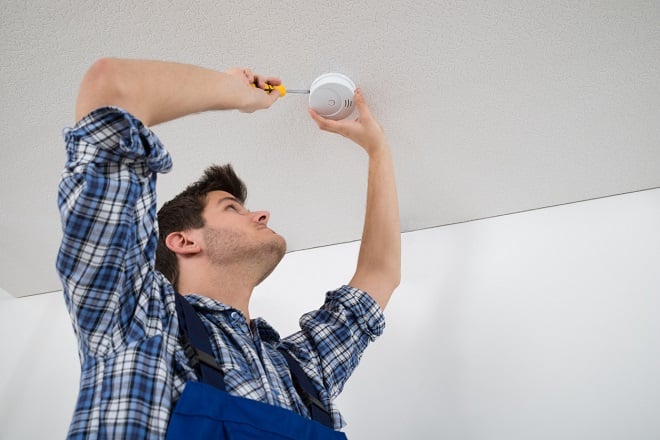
{"type": "Point", "coordinates": [331, 96]}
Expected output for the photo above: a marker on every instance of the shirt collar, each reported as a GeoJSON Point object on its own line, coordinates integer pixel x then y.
{"type": "Point", "coordinates": [207, 304]}
{"type": "Point", "coordinates": [210, 306]}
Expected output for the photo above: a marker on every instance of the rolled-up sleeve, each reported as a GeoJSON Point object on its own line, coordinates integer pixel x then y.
{"type": "Point", "coordinates": [107, 205]}
{"type": "Point", "coordinates": [333, 338]}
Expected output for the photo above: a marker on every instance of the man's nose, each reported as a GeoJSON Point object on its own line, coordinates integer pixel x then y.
{"type": "Point", "coordinates": [261, 217]}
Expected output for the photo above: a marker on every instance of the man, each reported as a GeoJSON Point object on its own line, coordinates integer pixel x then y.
{"type": "Point", "coordinates": [211, 249]}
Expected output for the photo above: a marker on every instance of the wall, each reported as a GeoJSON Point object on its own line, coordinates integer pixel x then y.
{"type": "Point", "coordinates": [539, 325]}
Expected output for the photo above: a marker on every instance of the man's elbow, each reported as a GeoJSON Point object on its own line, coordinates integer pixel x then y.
{"type": "Point", "coordinates": [385, 287]}
{"type": "Point", "coordinates": [396, 281]}
{"type": "Point", "coordinates": [391, 277]}
{"type": "Point", "coordinates": [101, 86]}
{"type": "Point", "coordinates": [380, 283]}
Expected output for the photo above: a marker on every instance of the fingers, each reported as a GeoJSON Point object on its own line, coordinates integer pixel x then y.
{"type": "Point", "coordinates": [361, 104]}
{"type": "Point", "coordinates": [317, 118]}
{"type": "Point", "coordinates": [272, 80]}
{"type": "Point", "coordinates": [364, 131]}
{"type": "Point", "coordinates": [256, 98]}
{"type": "Point", "coordinates": [327, 124]}
{"type": "Point", "coordinates": [341, 127]}
{"type": "Point", "coordinates": [272, 97]}
{"type": "Point", "coordinates": [248, 76]}
{"type": "Point", "coordinates": [259, 100]}
{"type": "Point", "coordinates": [265, 100]}
{"type": "Point", "coordinates": [261, 81]}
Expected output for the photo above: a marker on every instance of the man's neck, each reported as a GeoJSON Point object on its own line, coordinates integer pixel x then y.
{"type": "Point", "coordinates": [231, 286]}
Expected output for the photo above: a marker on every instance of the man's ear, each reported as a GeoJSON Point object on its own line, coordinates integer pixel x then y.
{"type": "Point", "coordinates": [182, 243]}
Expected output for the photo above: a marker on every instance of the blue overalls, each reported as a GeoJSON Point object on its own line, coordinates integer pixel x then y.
{"type": "Point", "coordinates": [205, 410]}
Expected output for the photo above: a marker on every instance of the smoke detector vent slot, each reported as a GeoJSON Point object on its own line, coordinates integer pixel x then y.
{"type": "Point", "coordinates": [331, 96]}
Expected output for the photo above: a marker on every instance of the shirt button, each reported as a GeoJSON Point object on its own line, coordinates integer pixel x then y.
{"type": "Point", "coordinates": [233, 316]}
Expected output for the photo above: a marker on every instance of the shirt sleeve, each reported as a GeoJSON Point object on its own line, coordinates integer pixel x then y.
{"type": "Point", "coordinates": [107, 206]}
{"type": "Point", "coordinates": [333, 338]}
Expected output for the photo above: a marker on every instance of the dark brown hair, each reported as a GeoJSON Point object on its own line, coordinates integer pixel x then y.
{"type": "Point", "coordinates": [185, 212]}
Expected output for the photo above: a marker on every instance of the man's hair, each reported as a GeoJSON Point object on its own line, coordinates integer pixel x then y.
{"type": "Point", "coordinates": [185, 212]}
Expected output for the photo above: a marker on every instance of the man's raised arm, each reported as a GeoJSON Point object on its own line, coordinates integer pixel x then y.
{"type": "Point", "coordinates": [159, 91]}
{"type": "Point", "coordinates": [378, 269]}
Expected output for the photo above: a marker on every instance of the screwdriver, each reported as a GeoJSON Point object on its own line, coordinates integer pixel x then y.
{"type": "Point", "coordinates": [283, 90]}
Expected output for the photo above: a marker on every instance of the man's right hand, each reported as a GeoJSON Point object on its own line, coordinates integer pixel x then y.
{"type": "Point", "coordinates": [256, 98]}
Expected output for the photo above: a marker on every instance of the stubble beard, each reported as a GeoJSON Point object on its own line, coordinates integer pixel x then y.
{"type": "Point", "coordinates": [230, 248]}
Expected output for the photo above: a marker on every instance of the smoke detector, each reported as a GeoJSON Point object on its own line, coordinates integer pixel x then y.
{"type": "Point", "coordinates": [331, 96]}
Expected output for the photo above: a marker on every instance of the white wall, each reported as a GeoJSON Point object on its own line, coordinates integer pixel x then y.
{"type": "Point", "coordinates": [540, 325]}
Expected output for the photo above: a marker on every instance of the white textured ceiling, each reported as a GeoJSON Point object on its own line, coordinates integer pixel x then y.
{"type": "Point", "coordinates": [490, 107]}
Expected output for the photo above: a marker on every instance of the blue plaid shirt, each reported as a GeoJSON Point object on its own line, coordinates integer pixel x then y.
{"type": "Point", "coordinates": [133, 368]}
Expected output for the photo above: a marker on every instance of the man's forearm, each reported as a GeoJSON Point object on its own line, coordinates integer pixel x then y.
{"type": "Point", "coordinates": [379, 263]}
{"type": "Point", "coordinates": [378, 269]}
{"type": "Point", "coordinates": [158, 91]}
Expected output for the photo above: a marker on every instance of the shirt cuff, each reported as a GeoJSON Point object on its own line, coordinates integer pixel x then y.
{"type": "Point", "coordinates": [363, 307]}
{"type": "Point", "coordinates": [111, 134]}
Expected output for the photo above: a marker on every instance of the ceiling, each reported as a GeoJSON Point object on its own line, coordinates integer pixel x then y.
{"type": "Point", "coordinates": [490, 107]}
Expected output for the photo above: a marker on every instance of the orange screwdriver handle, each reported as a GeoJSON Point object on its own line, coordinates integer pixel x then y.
{"type": "Point", "coordinates": [269, 88]}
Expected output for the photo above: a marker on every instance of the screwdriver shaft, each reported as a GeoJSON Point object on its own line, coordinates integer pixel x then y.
{"type": "Point", "coordinates": [297, 91]}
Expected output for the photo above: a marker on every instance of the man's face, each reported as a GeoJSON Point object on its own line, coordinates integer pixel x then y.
{"type": "Point", "coordinates": [234, 234]}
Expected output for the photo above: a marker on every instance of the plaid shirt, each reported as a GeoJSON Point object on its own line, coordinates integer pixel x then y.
{"type": "Point", "coordinates": [133, 368]}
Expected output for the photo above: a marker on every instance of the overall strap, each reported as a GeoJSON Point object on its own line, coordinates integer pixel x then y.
{"type": "Point", "coordinates": [307, 392]}
{"type": "Point", "coordinates": [196, 343]}
{"type": "Point", "coordinates": [197, 346]}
